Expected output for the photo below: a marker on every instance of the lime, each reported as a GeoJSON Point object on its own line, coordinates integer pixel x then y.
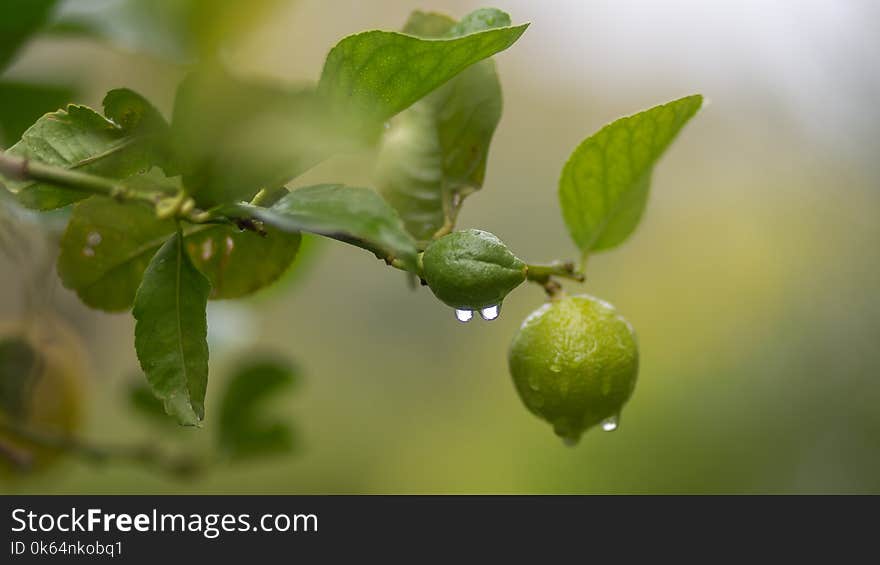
{"type": "Point", "coordinates": [574, 363]}
{"type": "Point", "coordinates": [471, 270]}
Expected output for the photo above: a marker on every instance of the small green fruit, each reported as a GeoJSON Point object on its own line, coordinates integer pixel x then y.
{"type": "Point", "coordinates": [574, 363]}
{"type": "Point", "coordinates": [471, 269]}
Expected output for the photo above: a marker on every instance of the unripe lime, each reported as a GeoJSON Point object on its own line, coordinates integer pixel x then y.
{"type": "Point", "coordinates": [471, 269]}
{"type": "Point", "coordinates": [574, 362]}
{"type": "Point", "coordinates": [43, 369]}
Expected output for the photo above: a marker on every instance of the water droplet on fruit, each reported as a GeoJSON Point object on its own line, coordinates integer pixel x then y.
{"type": "Point", "coordinates": [463, 316]}
{"type": "Point", "coordinates": [570, 441]}
{"type": "Point", "coordinates": [609, 424]}
{"type": "Point", "coordinates": [489, 313]}
{"type": "Point", "coordinates": [88, 252]}
{"type": "Point", "coordinates": [555, 368]}
{"type": "Point", "coordinates": [93, 239]}
{"type": "Point", "coordinates": [534, 384]}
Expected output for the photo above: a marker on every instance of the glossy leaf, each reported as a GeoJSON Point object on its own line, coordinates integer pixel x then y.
{"type": "Point", "coordinates": [244, 430]}
{"type": "Point", "coordinates": [76, 138]}
{"type": "Point", "coordinates": [171, 331]}
{"type": "Point", "coordinates": [234, 137]}
{"type": "Point", "coordinates": [107, 246]}
{"type": "Point", "coordinates": [434, 153]}
{"type": "Point", "coordinates": [371, 76]}
{"type": "Point", "coordinates": [355, 215]}
{"type": "Point", "coordinates": [18, 20]}
{"type": "Point", "coordinates": [604, 185]}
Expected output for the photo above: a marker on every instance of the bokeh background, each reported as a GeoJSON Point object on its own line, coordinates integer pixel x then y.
{"type": "Point", "coordinates": [752, 281]}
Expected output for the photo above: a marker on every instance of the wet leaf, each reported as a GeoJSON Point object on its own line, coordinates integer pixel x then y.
{"type": "Point", "coordinates": [434, 153]}
{"type": "Point", "coordinates": [171, 331]}
{"type": "Point", "coordinates": [604, 185]}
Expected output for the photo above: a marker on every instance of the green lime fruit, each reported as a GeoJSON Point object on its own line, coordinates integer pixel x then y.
{"type": "Point", "coordinates": [472, 270]}
{"type": "Point", "coordinates": [574, 363]}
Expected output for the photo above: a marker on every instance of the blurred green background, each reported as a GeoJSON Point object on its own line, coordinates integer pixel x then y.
{"type": "Point", "coordinates": [751, 282]}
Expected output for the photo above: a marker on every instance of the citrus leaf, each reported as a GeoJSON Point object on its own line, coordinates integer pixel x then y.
{"type": "Point", "coordinates": [138, 117]}
{"type": "Point", "coordinates": [354, 215]}
{"type": "Point", "coordinates": [371, 76]}
{"type": "Point", "coordinates": [18, 20]}
{"type": "Point", "coordinates": [434, 153]}
{"type": "Point", "coordinates": [234, 136]}
{"type": "Point", "coordinates": [244, 431]}
{"type": "Point", "coordinates": [107, 246]}
{"type": "Point", "coordinates": [76, 138]}
{"type": "Point", "coordinates": [604, 185]}
{"type": "Point", "coordinates": [239, 263]}
{"type": "Point", "coordinates": [171, 331]}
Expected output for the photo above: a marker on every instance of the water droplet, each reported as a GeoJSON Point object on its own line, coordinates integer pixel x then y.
{"type": "Point", "coordinates": [94, 239]}
{"type": "Point", "coordinates": [464, 316]}
{"type": "Point", "coordinates": [534, 384]}
{"type": "Point", "coordinates": [489, 313]}
{"type": "Point", "coordinates": [609, 424]}
{"type": "Point", "coordinates": [88, 252]}
{"type": "Point", "coordinates": [570, 441]}
{"type": "Point", "coordinates": [555, 368]}
{"type": "Point", "coordinates": [387, 125]}
{"type": "Point", "coordinates": [230, 245]}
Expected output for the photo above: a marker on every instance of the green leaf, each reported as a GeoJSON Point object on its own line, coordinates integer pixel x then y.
{"type": "Point", "coordinates": [234, 137]}
{"type": "Point", "coordinates": [171, 331]}
{"type": "Point", "coordinates": [244, 431]}
{"type": "Point", "coordinates": [369, 77]}
{"type": "Point", "coordinates": [138, 117]}
{"type": "Point", "coordinates": [434, 153]}
{"type": "Point", "coordinates": [604, 185]}
{"type": "Point", "coordinates": [76, 138]}
{"type": "Point", "coordinates": [18, 20]}
{"type": "Point", "coordinates": [354, 215]}
{"type": "Point", "coordinates": [22, 104]}
{"type": "Point", "coordinates": [239, 263]}
{"type": "Point", "coordinates": [107, 246]}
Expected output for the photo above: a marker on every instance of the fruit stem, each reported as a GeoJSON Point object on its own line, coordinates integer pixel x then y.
{"type": "Point", "coordinates": [563, 269]}
{"type": "Point", "coordinates": [543, 275]}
